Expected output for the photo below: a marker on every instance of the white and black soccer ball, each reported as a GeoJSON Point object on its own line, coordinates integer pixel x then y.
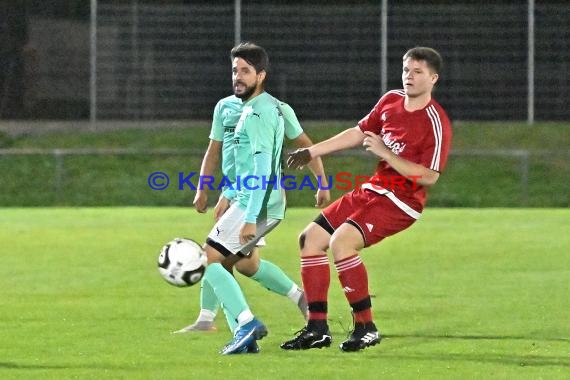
{"type": "Point", "coordinates": [182, 262]}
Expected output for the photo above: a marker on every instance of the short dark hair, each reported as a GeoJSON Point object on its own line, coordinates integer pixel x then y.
{"type": "Point", "coordinates": [253, 54]}
{"type": "Point", "coordinates": [429, 55]}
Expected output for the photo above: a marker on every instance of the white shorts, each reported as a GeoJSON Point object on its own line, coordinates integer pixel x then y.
{"type": "Point", "coordinates": [261, 242]}
{"type": "Point", "coordinates": [224, 236]}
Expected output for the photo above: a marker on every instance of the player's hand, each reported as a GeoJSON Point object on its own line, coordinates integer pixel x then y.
{"type": "Point", "coordinates": [299, 158]}
{"type": "Point", "coordinates": [322, 197]}
{"type": "Point", "coordinates": [221, 207]}
{"type": "Point", "coordinates": [201, 201]}
{"type": "Point", "coordinates": [247, 233]}
{"type": "Point", "coordinates": [373, 143]}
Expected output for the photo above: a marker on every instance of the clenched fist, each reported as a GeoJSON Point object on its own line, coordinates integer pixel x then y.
{"type": "Point", "coordinates": [299, 158]}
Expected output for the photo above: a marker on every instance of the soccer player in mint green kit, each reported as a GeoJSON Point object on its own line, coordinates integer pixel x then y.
{"type": "Point", "coordinates": [226, 115]}
{"type": "Point", "coordinates": [258, 206]}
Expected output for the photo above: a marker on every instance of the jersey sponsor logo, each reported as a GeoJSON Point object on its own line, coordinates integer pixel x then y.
{"type": "Point", "coordinates": [395, 146]}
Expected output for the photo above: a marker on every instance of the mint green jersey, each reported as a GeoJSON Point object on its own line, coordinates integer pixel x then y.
{"type": "Point", "coordinates": [226, 115]}
{"type": "Point", "coordinates": [225, 118]}
{"type": "Point", "coordinates": [260, 130]}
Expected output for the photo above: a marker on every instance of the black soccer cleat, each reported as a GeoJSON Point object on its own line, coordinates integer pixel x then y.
{"type": "Point", "coordinates": [364, 335]}
{"type": "Point", "coordinates": [308, 339]}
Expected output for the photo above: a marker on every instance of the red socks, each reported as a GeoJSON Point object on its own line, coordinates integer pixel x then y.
{"type": "Point", "coordinates": [353, 278]}
{"type": "Point", "coordinates": [354, 281]}
{"type": "Point", "coordinates": [316, 277]}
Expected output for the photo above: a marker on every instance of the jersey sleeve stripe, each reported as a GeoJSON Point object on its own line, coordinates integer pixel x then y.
{"type": "Point", "coordinates": [437, 132]}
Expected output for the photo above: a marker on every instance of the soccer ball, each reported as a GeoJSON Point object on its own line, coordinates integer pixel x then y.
{"type": "Point", "coordinates": [182, 262]}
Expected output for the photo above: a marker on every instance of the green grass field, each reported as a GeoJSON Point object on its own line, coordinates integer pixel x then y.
{"type": "Point", "coordinates": [464, 293]}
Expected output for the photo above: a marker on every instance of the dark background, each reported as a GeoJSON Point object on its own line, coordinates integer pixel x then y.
{"type": "Point", "coordinates": [325, 57]}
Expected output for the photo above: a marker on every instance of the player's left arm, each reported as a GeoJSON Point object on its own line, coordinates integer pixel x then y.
{"type": "Point", "coordinates": [261, 169]}
{"type": "Point", "coordinates": [262, 142]}
{"type": "Point", "coordinates": [415, 172]}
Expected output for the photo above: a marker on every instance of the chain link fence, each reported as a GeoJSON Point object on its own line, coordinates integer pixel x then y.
{"type": "Point", "coordinates": [168, 59]}
{"type": "Point", "coordinates": [327, 59]}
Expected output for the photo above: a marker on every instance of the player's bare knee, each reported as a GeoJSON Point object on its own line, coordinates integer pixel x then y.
{"type": "Point", "coordinates": [247, 266]}
{"type": "Point", "coordinates": [213, 255]}
{"type": "Point", "coordinates": [302, 238]}
{"type": "Point", "coordinates": [313, 241]}
{"type": "Point", "coordinates": [342, 247]}
{"type": "Point", "coordinates": [335, 243]}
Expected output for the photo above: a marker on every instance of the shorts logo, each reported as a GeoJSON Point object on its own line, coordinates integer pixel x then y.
{"type": "Point", "coordinates": [218, 231]}
{"type": "Point", "coordinates": [369, 226]}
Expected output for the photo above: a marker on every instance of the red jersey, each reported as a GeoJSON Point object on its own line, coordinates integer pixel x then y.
{"type": "Point", "coordinates": [422, 136]}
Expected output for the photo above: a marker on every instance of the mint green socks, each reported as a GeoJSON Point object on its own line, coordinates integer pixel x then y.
{"type": "Point", "coordinates": [273, 278]}
{"type": "Point", "coordinates": [226, 290]}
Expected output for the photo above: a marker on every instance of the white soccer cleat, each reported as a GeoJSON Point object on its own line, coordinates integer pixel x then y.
{"type": "Point", "coordinates": [198, 326]}
{"type": "Point", "coordinates": [303, 306]}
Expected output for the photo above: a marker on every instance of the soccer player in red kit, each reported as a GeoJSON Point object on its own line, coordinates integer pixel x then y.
{"type": "Point", "coordinates": [411, 134]}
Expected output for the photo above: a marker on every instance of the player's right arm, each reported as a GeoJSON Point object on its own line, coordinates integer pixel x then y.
{"type": "Point", "coordinates": [350, 138]}
{"type": "Point", "coordinates": [212, 156]}
{"type": "Point", "coordinates": [347, 139]}
{"type": "Point", "coordinates": [209, 164]}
